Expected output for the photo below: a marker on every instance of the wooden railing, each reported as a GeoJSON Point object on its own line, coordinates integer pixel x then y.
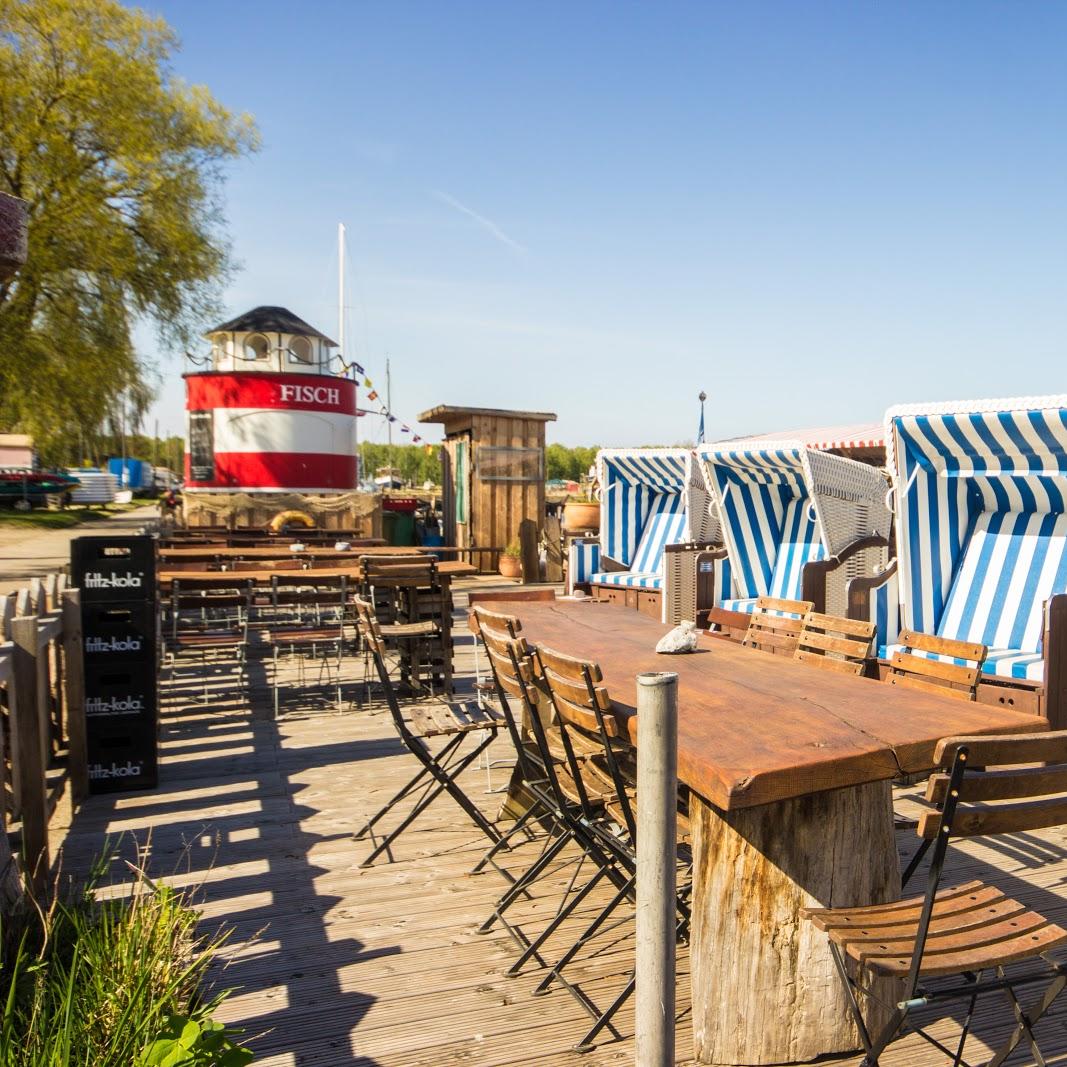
{"type": "Point", "coordinates": [42, 683]}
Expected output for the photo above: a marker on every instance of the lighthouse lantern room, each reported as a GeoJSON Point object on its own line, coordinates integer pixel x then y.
{"type": "Point", "coordinates": [270, 416]}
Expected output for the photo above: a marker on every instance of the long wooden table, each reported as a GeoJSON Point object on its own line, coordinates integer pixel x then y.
{"type": "Point", "coordinates": [282, 551]}
{"type": "Point", "coordinates": [448, 569]}
{"type": "Point", "coordinates": [789, 768]}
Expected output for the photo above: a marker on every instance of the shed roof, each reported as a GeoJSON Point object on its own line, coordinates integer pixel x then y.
{"type": "Point", "coordinates": [270, 319]}
{"type": "Point", "coordinates": [446, 412]}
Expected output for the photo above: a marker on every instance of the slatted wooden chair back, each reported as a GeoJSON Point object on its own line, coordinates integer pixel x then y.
{"type": "Point", "coordinates": [1009, 784]}
{"type": "Point", "coordinates": [478, 616]}
{"type": "Point", "coordinates": [956, 675]}
{"type": "Point", "coordinates": [835, 644]}
{"type": "Point", "coordinates": [578, 693]}
{"type": "Point", "coordinates": [399, 572]}
{"type": "Point", "coordinates": [268, 565]}
{"type": "Point", "coordinates": [582, 703]}
{"type": "Point", "coordinates": [776, 624]}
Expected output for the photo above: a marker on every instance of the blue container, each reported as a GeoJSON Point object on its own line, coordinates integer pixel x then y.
{"type": "Point", "coordinates": [134, 475]}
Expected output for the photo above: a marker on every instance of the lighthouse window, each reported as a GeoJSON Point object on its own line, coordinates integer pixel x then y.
{"type": "Point", "coordinates": [299, 350]}
{"type": "Point", "coordinates": [257, 347]}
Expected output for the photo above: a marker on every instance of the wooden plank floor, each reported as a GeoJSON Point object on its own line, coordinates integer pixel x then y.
{"type": "Point", "coordinates": [333, 964]}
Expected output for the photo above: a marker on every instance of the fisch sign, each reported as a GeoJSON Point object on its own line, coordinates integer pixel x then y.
{"type": "Point", "coordinates": [253, 389]}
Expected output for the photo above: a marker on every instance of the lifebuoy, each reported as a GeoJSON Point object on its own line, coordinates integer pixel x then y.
{"type": "Point", "coordinates": [284, 517]}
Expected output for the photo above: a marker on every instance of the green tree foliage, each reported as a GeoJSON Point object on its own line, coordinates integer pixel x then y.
{"type": "Point", "coordinates": [120, 163]}
{"type": "Point", "coordinates": [569, 463]}
{"type": "Point", "coordinates": [416, 464]}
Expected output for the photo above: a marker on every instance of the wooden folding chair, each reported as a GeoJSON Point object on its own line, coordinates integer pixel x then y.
{"type": "Point", "coordinates": [210, 620]}
{"type": "Point", "coordinates": [414, 612]}
{"type": "Point", "coordinates": [584, 710]}
{"type": "Point", "coordinates": [418, 728]}
{"type": "Point", "coordinates": [835, 644]}
{"type": "Point", "coordinates": [306, 620]}
{"type": "Point", "coordinates": [964, 936]}
{"type": "Point", "coordinates": [557, 797]}
{"type": "Point", "coordinates": [916, 671]}
{"type": "Point", "coordinates": [776, 624]}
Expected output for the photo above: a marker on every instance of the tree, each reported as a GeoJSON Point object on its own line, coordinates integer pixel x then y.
{"type": "Point", "coordinates": [120, 163]}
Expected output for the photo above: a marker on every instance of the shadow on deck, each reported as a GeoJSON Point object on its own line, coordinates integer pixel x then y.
{"type": "Point", "coordinates": [335, 965]}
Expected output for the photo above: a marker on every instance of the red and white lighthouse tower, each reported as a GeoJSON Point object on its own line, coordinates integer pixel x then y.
{"type": "Point", "coordinates": [270, 416]}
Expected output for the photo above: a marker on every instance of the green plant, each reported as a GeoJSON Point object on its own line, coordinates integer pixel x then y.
{"type": "Point", "coordinates": [107, 977]}
{"type": "Point", "coordinates": [514, 550]}
{"type": "Point", "coordinates": [192, 1043]}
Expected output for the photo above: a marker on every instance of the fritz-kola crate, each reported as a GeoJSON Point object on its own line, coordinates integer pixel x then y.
{"type": "Point", "coordinates": [117, 576]}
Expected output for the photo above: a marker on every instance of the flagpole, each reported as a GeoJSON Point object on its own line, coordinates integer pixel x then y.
{"type": "Point", "coordinates": [700, 431]}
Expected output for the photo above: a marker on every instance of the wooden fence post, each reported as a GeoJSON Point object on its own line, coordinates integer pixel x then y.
{"type": "Point", "coordinates": [28, 752]}
{"type": "Point", "coordinates": [74, 677]}
{"type": "Point", "coordinates": [531, 563]}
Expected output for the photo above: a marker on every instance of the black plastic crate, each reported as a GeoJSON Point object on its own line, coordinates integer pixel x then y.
{"type": "Point", "coordinates": [119, 630]}
{"type": "Point", "coordinates": [123, 690]}
{"type": "Point", "coordinates": [122, 758]}
{"type": "Point", "coordinates": [114, 568]}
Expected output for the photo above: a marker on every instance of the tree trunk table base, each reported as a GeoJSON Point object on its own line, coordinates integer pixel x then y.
{"type": "Point", "coordinates": [765, 990]}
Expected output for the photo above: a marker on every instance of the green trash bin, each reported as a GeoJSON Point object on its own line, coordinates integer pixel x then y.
{"type": "Point", "coordinates": [398, 527]}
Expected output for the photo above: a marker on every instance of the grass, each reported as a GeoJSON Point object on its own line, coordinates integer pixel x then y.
{"type": "Point", "coordinates": [45, 519]}
{"type": "Point", "coordinates": [110, 983]}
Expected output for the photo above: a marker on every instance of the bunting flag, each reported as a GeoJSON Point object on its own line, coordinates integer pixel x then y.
{"type": "Point", "coordinates": [357, 368]}
{"type": "Point", "coordinates": [416, 439]}
{"type": "Point", "coordinates": [405, 429]}
{"type": "Point", "coordinates": [367, 383]}
{"type": "Point", "coordinates": [372, 395]}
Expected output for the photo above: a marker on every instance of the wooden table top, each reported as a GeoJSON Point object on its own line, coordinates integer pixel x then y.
{"type": "Point", "coordinates": [447, 569]}
{"type": "Point", "coordinates": [755, 728]}
{"type": "Point", "coordinates": [282, 551]}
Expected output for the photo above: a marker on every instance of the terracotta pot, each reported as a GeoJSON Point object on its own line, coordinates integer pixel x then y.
{"type": "Point", "coordinates": [581, 515]}
{"type": "Point", "coordinates": [510, 567]}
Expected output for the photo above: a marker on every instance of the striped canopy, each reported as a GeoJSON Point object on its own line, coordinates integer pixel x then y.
{"type": "Point", "coordinates": [980, 493]}
{"type": "Point", "coordinates": [650, 497]}
{"type": "Point", "coordinates": [782, 504]}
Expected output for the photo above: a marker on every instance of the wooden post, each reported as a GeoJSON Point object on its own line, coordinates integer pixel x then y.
{"type": "Point", "coordinates": [531, 564]}
{"type": "Point", "coordinates": [765, 990]}
{"type": "Point", "coordinates": [657, 829]}
{"type": "Point", "coordinates": [553, 550]}
{"type": "Point", "coordinates": [27, 752]}
{"type": "Point", "coordinates": [74, 676]}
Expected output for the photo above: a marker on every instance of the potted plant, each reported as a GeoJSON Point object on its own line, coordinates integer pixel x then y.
{"type": "Point", "coordinates": [511, 561]}
{"type": "Point", "coordinates": [582, 516]}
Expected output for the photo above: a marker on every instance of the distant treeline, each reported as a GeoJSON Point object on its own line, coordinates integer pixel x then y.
{"type": "Point", "coordinates": [418, 464]}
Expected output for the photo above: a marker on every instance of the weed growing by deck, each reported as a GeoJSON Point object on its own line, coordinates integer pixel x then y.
{"type": "Point", "coordinates": [110, 983]}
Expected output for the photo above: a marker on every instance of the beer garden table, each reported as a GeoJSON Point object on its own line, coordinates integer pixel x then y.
{"type": "Point", "coordinates": [789, 769]}
{"type": "Point", "coordinates": [448, 570]}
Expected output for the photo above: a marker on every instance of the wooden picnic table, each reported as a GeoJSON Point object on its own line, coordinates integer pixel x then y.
{"type": "Point", "coordinates": [789, 769]}
{"type": "Point", "coordinates": [448, 569]}
{"type": "Point", "coordinates": [282, 551]}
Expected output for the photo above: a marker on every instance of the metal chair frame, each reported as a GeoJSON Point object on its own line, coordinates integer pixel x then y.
{"type": "Point", "coordinates": [571, 704]}
{"type": "Point", "coordinates": [314, 637]}
{"type": "Point", "coordinates": [439, 770]}
{"type": "Point", "coordinates": [511, 663]}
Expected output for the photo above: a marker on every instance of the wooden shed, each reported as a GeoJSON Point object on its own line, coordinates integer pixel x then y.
{"type": "Point", "coordinates": [493, 472]}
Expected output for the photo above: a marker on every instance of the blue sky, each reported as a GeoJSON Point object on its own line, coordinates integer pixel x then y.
{"type": "Point", "coordinates": [811, 211]}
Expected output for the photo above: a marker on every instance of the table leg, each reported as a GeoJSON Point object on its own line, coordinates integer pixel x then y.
{"type": "Point", "coordinates": [765, 990]}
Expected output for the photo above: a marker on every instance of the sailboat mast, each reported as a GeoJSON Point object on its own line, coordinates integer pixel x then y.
{"type": "Point", "coordinates": [341, 332]}
{"type": "Point", "coordinates": [389, 403]}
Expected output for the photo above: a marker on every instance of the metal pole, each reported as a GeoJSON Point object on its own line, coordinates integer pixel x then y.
{"type": "Point", "coordinates": [657, 815]}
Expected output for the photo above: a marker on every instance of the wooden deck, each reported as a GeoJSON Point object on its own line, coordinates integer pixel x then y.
{"type": "Point", "coordinates": [334, 965]}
